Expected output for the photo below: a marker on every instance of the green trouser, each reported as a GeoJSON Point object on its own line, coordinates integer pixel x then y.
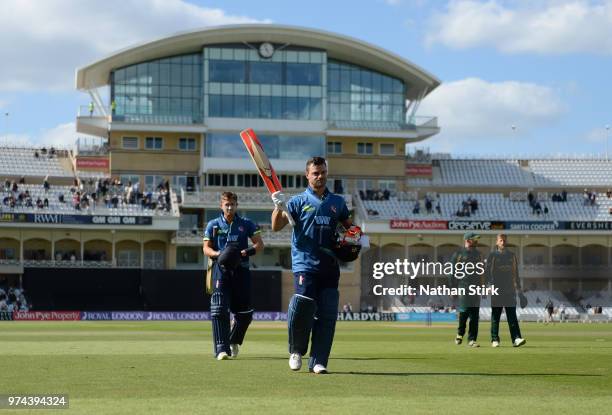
{"type": "Point", "coordinates": [473, 313]}
{"type": "Point", "coordinates": [513, 324]}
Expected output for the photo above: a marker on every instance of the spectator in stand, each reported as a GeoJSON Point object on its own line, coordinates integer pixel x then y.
{"type": "Point", "coordinates": [386, 194]}
{"type": "Point", "coordinates": [46, 185]}
{"type": "Point", "coordinates": [438, 209]}
{"type": "Point", "coordinates": [22, 180]}
{"type": "Point", "coordinates": [36, 154]}
{"type": "Point", "coordinates": [473, 204]}
{"type": "Point", "coordinates": [564, 196]}
{"type": "Point", "coordinates": [586, 197]}
{"type": "Point", "coordinates": [76, 201]}
{"type": "Point", "coordinates": [537, 208]}
{"type": "Point", "coordinates": [39, 203]}
{"type": "Point", "coordinates": [428, 204]}
{"type": "Point", "coordinates": [417, 208]}
{"type": "Point", "coordinates": [609, 193]}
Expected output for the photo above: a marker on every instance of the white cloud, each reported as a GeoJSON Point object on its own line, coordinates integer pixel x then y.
{"type": "Point", "coordinates": [61, 136]}
{"type": "Point", "coordinates": [472, 109]}
{"type": "Point", "coordinates": [546, 27]}
{"type": "Point", "coordinates": [42, 42]}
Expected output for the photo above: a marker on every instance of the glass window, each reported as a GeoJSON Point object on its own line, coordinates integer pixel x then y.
{"type": "Point", "coordinates": [227, 106]}
{"type": "Point", "coordinates": [187, 144]}
{"type": "Point", "coordinates": [151, 182]}
{"type": "Point", "coordinates": [362, 93]}
{"type": "Point", "coordinates": [177, 183]}
{"type": "Point", "coordinates": [387, 185]}
{"type": "Point", "coordinates": [277, 146]}
{"type": "Point", "coordinates": [129, 178]}
{"type": "Point", "coordinates": [266, 73]}
{"type": "Point", "coordinates": [303, 74]}
{"type": "Point", "coordinates": [387, 149]}
{"type": "Point", "coordinates": [130, 143]}
{"type": "Point", "coordinates": [334, 147]}
{"type": "Point", "coordinates": [225, 145]}
{"type": "Point", "coordinates": [154, 143]}
{"type": "Point", "coordinates": [214, 106]}
{"type": "Point", "coordinates": [365, 148]}
{"type": "Point", "coordinates": [239, 106]}
{"type": "Point", "coordinates": [227, 71]}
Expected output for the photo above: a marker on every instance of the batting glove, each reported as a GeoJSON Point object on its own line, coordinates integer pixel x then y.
{"type": "Point", "coordinates": [279, 199]}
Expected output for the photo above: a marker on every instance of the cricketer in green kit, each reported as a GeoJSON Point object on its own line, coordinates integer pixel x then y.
{"type": "Point", "coordinates": [469, 304]}
{"type": "Point", "coordinates": [502, 272]}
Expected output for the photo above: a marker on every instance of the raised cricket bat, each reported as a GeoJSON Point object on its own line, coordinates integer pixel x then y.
{"type": "Point", "coordinates": [266, 171]}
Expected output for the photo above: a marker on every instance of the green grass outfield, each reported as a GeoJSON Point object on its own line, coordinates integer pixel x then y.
{"type": "Point", "coordinates": [378, 367]}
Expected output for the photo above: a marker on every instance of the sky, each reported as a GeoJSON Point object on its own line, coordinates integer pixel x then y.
{"type": "Point", "coordinates": [519, 78]}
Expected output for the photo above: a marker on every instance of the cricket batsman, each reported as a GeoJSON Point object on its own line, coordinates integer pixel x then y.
{"type": "Point", "coordinates": [226, 242]}
{"type": "Point", "coordinates": [502, 272]}
{"type": "Point", "coordinates": [469, 305]}
{"type": "Point", "coordinates": [315, 251]}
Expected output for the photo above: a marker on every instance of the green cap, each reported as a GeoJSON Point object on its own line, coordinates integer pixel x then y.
{"type": "Point", "coordinates": [470, 236]}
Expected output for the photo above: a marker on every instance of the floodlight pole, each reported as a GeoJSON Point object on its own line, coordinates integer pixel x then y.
{"type": "Point", "coordinates": [607, 137]}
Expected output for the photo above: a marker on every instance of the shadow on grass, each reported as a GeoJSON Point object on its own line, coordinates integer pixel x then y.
{"type": "Point", "coordinates": [462, 374]}
{"type": "Point", "coordinates": [336, 358]}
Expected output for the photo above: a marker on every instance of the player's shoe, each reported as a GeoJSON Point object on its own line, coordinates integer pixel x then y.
{"type": "Point", "coordinates": [458, 339]}
{"type": "Point", "coordinates": [319, 369]}
{"type": "Point", "coordinates": [518, 342]}
{"type": "Point", "coordinates": [295, 361]}
{"type": "Point", "coordinates": [222, 356]}
{"type": "Point", "coordinates": [494, 343]}
{"type": "Point", "coordinates": [473, 343]}
{"type": "Point", "coordinates": [235, 349]}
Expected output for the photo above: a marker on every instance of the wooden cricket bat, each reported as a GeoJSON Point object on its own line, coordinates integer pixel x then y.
{"type": "Point", "coordinates": [263, 165]}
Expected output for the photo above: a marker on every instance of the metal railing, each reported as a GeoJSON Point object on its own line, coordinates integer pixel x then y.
{"type": "Point", "coordinates": [271, 238]}
{"type": "Point", "coordinates": [210, 198]}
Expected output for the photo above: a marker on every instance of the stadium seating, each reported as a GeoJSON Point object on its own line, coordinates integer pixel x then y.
{"type": "Point", "coordinates": [55, 206]}
{"type": "Point", "coordinates": [482, 172]}
{"type": "Point", "coordinates": [526, 173]}
{"type": "Point", "coordinates": [493, 206]}
{"type": "Point", "coordinates": [586, 173]}
{"type": "Point", "coordinates": [22, 162]}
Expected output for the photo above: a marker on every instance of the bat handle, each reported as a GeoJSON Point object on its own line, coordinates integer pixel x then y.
{"type": "Point", "coordinates": [289, 217]}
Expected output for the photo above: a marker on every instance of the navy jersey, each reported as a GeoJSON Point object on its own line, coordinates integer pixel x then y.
{"type": "Point", "coordinates": [316, 220]}
{"type": "Point", "coordinates": [239, 231]}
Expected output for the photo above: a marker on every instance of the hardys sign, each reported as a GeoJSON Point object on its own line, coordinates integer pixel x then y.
{"type": "Point", "coordinates": [366, 316]}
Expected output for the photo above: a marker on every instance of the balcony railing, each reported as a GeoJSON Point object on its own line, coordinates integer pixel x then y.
{"type": "Point", "coordinates": [210, 199]}
{"type": "Point", "coordinates": [270, 238]}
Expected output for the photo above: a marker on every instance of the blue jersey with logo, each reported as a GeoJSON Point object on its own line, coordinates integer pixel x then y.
{"type": "Point", "coordinates": [316, 219]}
{"type": "Point", "coordinates": [239, 231]}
